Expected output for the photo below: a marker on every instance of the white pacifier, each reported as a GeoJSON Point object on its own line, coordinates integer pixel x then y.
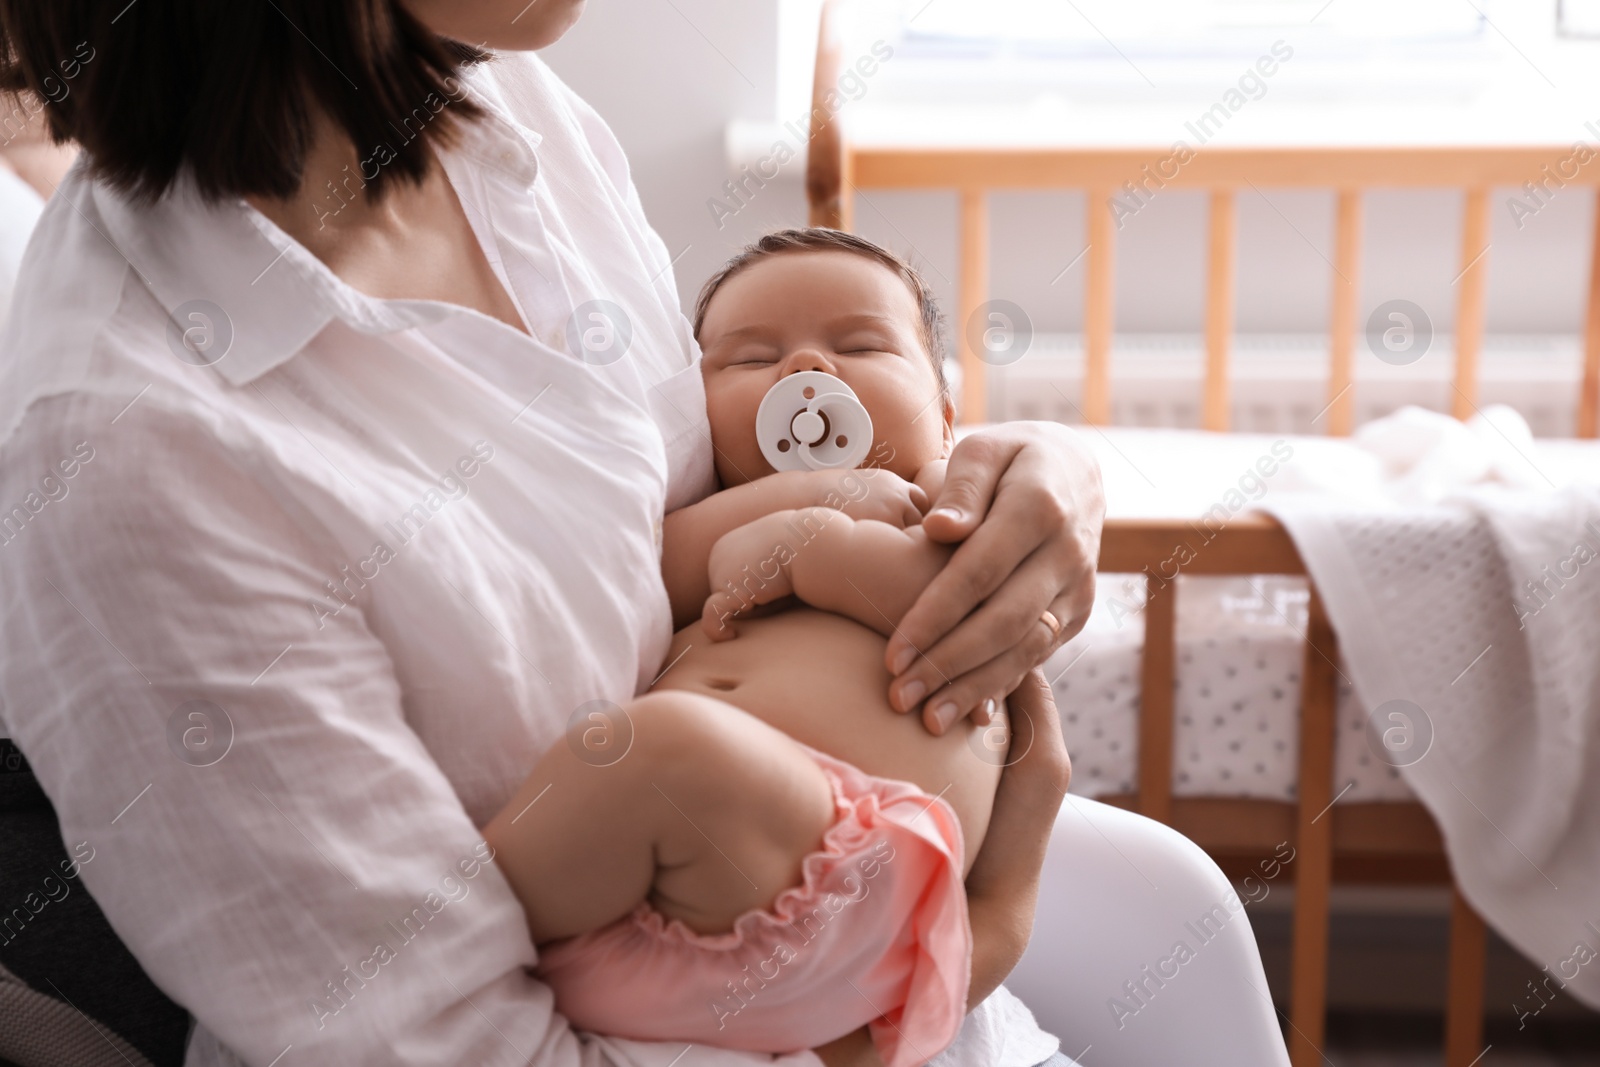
{"type": "Point", "coordinates": [811, 420]}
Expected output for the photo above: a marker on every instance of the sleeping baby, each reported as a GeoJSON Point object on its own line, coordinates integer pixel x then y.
{"type": "Point", "coordinates": [778, 858]}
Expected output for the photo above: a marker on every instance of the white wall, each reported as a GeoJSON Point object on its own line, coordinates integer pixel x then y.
{"type": "Point", "coordinates": [670, 74]}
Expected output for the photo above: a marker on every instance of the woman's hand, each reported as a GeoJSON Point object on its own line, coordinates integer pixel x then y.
{"type": "Point", "coordinates": [1025, 498]}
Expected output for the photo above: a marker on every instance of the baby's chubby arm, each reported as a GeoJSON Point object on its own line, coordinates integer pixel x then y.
{"type": "Point", "coordinates": [689, 533]}
{"type": "Point", "coordinates": [863, 569]}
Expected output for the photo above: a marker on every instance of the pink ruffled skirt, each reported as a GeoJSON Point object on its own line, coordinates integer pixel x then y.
{"type": "Point", "coordinates": [876, 934]}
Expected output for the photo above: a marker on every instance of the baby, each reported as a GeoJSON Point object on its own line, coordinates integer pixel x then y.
{"type": "Point", "coordinates": [776, 857]}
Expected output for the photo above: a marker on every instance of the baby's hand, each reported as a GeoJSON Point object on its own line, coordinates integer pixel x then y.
{"type": "Point", "coordinates": [930, 479]}
{"type": "Point", "coordinates": [869, 493]}
{"type": "Point", "coordinates": [749, 566]}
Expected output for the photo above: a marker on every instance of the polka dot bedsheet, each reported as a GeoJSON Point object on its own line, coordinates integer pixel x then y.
{"type": "Point", "coordinates": [1237, 674]}
{"type": "Point", "coordinates": [1236, 694]}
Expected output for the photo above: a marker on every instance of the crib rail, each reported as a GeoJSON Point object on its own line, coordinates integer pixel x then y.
{"type": "Point", "coordinates": [838, 168]}
{"type": "Point", "coordinates": [1383, 842]}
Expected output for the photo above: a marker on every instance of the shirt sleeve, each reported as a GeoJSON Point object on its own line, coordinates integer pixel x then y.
{"type": "Point", "coordinates": [264, 829]}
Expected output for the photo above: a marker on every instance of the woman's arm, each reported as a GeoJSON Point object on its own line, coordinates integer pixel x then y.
{"type": "Point", "coordinates": [1003, 885]}
{"type": "Point", "coordinates": [689, 533]}
{"type": "Point", "coordinates": [1025, 501]}
{"type": "Point", "coordinates": [262, 816]}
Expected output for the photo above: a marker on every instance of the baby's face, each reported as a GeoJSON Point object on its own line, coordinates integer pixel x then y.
{"type": "Point", "coordinates": [828, 311]}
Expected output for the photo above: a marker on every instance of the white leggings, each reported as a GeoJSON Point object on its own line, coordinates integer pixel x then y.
{"type": "Point", "coordinates": [1119, 895]}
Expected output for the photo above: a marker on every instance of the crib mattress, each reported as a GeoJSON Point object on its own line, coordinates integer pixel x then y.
{"type": "Point", "coordinates": [1240, 651]}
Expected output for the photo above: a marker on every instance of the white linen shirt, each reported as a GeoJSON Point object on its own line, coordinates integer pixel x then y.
{"type": "Point", "coordinates": [288, 613]}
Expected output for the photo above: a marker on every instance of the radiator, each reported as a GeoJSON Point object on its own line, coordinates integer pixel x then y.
{"type": "Point", "coordinates": [1278, 382]}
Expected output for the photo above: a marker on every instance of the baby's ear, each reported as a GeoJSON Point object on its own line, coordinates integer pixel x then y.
{"type": "Point", "coordinates": [949, 425]}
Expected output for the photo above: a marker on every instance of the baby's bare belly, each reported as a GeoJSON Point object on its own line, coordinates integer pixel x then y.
{"type": "Point", "coordinates": [820, 679]}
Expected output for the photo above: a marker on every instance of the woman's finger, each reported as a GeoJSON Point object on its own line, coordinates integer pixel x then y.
{"type": "Point", "coordinates": [969, 692]}
{"type": "Point", "coordinates": [970, 481]}
{"type": "Point", "coordinates": [966, 693]}
{"type": "Point", "coordinates": [1023, 514]}
{"type": "Point", "coordinates": [1034, 507]}
{"type": "Point", "coordinates": [998, 624]}
{"type": "Point", "coordinates": [1038, 751]}
{"type": "Point", "coordinates": [980, 566]}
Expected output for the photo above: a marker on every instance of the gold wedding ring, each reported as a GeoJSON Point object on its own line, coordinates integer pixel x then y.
{"type": "Point", "coordinates": [1050, 620]}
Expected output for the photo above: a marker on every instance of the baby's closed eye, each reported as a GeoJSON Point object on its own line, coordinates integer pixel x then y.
{"type": "Point", "coordinates": [751, 354]}
{"type": "Point", "coordinates": [861, 344]}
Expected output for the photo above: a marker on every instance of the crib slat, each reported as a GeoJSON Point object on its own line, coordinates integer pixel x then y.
{"type": "Point", "coordinates": [1099, 304]}
{"type": "Point", "coordinates": [825, 152]}
{"type": "Point", "coordinates": [1589, 393]}
{"type": "Point", "coordinates": [1463, 1038]}
{"type": "Point", "coordinates": [974, 289]}
{"type": "Point", "coordinates": [1155, 701]}
{"type": "Point", "coordinates": [1469, 301]}
{"type": "Point", "coordinates": [1308, 984]}
{"type": "Point", "coordinates": [1342, 313]}
{"type": "Point", "coordinates": [1219, 311]}
{"type": "Point", "coordinates": [847, 185]}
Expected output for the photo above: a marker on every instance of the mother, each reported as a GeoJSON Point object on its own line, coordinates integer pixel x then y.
{"type": "Point", "coordinates": [329, 526]}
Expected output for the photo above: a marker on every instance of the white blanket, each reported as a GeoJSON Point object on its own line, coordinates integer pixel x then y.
{"type": "Point", "coordinates": [1471, 591]}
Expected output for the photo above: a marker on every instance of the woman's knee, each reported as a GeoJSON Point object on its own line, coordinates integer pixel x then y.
{"type": "Point", "coordinates": [1152, 884]}
{"type": "Point", "coordinates": [1169, 948]}
{"type": "Point", "coordinates": [1138, 851]}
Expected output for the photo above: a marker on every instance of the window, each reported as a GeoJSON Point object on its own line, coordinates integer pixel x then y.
{"type": "Point", "coordinates": [1181, 28]}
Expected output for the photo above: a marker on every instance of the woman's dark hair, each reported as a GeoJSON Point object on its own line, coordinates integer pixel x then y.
{"type": "Point", "coordinates": [930, 328]}
{"type": "Point", "coordinates": [228, 88]}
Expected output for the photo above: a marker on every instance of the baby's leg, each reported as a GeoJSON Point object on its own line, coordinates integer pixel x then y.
{"type": "Point", "coordinates": [707, 815]}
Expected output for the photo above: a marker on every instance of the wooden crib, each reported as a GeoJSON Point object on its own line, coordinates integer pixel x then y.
{"type": "Point", "coordinates": [1392, 843]}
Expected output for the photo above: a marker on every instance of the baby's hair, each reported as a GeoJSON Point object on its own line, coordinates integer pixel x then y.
{"type": "Point", "coordinates": [930, 326]}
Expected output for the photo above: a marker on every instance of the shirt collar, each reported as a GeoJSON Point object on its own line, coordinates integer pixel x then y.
{"type": "Point", "coordinates": [497, 141]}
{"type": "Point", "coordinates": [262, 293]}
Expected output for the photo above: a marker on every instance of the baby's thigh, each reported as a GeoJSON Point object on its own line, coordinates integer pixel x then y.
{"type": "Point", "coordinates": [739, 805]}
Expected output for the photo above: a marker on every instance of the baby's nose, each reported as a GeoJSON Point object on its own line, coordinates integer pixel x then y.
{"type": "Point", "coordinates": [807, 359]}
